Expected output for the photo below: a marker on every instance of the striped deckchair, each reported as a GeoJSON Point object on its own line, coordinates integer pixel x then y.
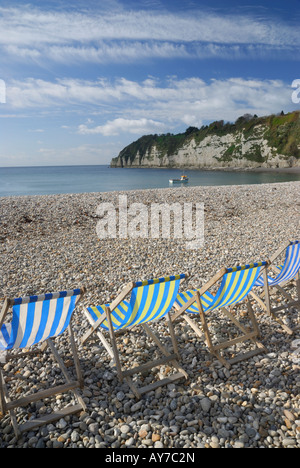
{"type": "Point", "coordinates": [38, 320]}
{"type": "Point", "coordinates": [236, 284]}
{"type": "Point", "coordinates": [285, 273]}
{"type": "Point", "coordinates": [150, 301]}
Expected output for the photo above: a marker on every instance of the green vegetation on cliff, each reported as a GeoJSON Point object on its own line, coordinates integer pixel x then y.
{"type": "Point", "coordinates": [281, 131]}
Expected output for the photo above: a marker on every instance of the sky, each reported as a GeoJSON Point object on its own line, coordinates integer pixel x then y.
{"type": "Point", "coordinates": [80, 80]}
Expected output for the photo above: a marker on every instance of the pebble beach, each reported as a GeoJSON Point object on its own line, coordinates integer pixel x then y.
{"type": "Point", "coordinates": [49, 243]}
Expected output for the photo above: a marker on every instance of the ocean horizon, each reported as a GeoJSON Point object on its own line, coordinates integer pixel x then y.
{"type": "Point", "coordinates": [51, 180]}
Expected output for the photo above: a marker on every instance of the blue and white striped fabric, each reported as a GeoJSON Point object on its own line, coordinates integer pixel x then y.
{"type": "Point", "coordinates": [150, 300]}
{"type": "Point", "coordinates": [235, 286]}
{"type": "Point", "coordinates": [37, 318]}
{"type": "Point", "coordinates": [289, 269]}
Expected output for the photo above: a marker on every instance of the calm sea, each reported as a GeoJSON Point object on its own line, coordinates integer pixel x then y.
{"type": "Point", "coordinates": [81, 179]}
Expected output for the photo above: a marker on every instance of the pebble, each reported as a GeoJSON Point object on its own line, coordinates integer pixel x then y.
{"type": "Point", "coordinates": [205, 404]}
{"type": "Point", "coordinates": [125, 429]}
{"type": "Point", "coordinates": [254, 404]}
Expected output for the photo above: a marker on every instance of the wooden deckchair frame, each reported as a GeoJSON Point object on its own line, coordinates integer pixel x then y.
{"type": "Point", "coordinates": [264, 299]}
{"type": "Point", "coordinates": [113, 351]}
{"type": "Point", "coordinates": [205, 334]}
{"type": "Point", "coordinates": [9, 405]}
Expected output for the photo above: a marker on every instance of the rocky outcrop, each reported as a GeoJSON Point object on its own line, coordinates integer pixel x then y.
{"type": "Point", "coordinates": [237, 148]}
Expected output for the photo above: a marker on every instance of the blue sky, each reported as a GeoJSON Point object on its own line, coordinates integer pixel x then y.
{"type": "Point", "coordinates": [80, 80]}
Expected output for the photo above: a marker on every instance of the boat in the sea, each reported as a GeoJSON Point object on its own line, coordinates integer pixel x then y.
{"type": "Point", "coordinates": [183, 178]}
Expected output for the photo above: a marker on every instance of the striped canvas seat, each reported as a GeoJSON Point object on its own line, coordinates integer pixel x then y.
{"type": "Point", "coordinates": [150, 300]}
{"type": "Point", "coordinates": [34, 320]}
{"type": "Point", "coordinates": [37, 318]}
{"type": "Point", "coordinates": [288, 270]}
{"type": "Point", "coordinates": [206, 300]}
{"type": "Point", "coordinates": [285, 274]}
{"type": "Point", "coordinates": [236, 285]}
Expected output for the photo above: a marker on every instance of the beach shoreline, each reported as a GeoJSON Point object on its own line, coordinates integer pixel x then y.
{"type": "Point", "coordinates": [292, 170]}
{"type": "Point", "coordinates": [85, 179]}
{"type": "Point", "coordinates": [49, 243]}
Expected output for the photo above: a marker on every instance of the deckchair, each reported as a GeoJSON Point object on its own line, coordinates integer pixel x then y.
{"type": "Point", "coordinates": [286, 273]}
{"type": "Point", "coordinates": [236, 283]}
{"type": "Point", "coordinates": [150, 301]}
{"type": "Point", "coordinates": [37, 320]}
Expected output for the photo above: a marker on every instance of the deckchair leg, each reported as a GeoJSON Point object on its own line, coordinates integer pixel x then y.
{"type": "Point", "coordinates": [168, 358]}
{"type": "Point", "coordinates": [172, 333]}
{"type": "Point", "coordinates": [298, 286]}
{"type": "Point", "coordinates": [272, 312]}
{"type": "Point", "coordinates": [4, 400]}
{"type": "Point", "coordinates": [207, 336]}
{"type": "Point", "coordinates": [267, 292]}
{"type": "Point", "coordinates": [98, 332]}
{"type": "Point", "coordinates": [75, 357]}
{"type": "Point", "coordinates": [105, 344]}
{"type": "Point", "coordinates": [114, 345]}
{"type": "Point", "coordinates": [204, 322]}
{"type": "Point", "coordinates": [193, 325]}
{"type": "Point", "coordinates": [65, 372]}
{"type": "Point", "coordinates": [164, 350]}
{"type": "Point", "coordinates": [6, 404]}
{"type": "Point", "coordinates": [214, 349]}
{"type": "Point", "coordinates": [253, 318]}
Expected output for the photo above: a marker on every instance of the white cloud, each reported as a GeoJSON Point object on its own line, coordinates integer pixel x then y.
{"type": "Point", "coordinates": [68, 36]}
{"type": "Point", "coordinates": [119, 52]}
{"type": "Point", "coordinates": [121, 125]}
{"type": "Point", "coordinates": [151, 105]}
{"type": "Point", "coordinates": [26, 25]}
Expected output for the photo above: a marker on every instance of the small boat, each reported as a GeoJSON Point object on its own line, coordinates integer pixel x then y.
{"type": "Point", "coordinates": [183, 178]}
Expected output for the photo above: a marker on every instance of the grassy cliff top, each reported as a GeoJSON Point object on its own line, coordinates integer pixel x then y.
{"type": "Point", "coordinates": [282, 132]}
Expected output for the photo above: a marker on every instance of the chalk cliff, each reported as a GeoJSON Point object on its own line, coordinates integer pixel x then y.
{"type": "Point", "coordinates": [272, 141]}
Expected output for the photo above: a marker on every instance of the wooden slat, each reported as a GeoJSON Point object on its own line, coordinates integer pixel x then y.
{"type": "Point", "coordinates": [23, 401]}
{"type": "Point", "coordinates": [279, 251]}
{"type": "Point", "coordinates": [94, 326]}
{"type": "Point", "coordinates": [290, 304]}
{"type": "Point", "coordinates": [149, 365]}
{"type": "Point", "coordinates": [182, 309]}
{"type": "Point", "coordinates": [48, 418]}
{"type": "Point", "coordinates": [4, 311]}
{"type": "Point", "coordinates": [112, 307]}
{"type": "Point", "coordinates": [244, 356]}
{"type": "Point", "coordinates": [240, 339]}
{"type": "Point", "coordinates": [160, 383]}
{"type": "Point", "coordinates": [193, 325]}
{"type": "Point", "coordinates": [114, 344]}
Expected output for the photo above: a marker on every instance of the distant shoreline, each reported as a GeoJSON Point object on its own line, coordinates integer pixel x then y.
{"type": "Point", "coordinates": [292, 170]}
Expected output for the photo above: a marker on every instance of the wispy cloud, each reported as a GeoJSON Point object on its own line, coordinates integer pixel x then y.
{"type": "Point", "coordinates": [193, 91]}
{"type": "Point", "coordinates": [121, 125]}
{"type": "Point", "coordinates": [151, 105]}
{"type": "Point", "coordinates": [31, 33]}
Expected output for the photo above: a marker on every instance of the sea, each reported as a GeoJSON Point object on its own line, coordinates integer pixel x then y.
{"type": "Point", "coordinates": [102, 178]}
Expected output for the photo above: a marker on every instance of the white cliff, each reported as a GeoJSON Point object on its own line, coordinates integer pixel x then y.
{"type": "Point", "coordinates": [232, 150]}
